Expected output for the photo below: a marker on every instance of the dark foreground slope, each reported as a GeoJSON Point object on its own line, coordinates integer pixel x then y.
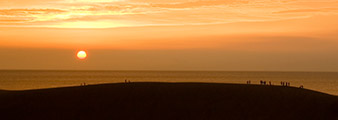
{"type": "Point", "coordinates": [168, 101]}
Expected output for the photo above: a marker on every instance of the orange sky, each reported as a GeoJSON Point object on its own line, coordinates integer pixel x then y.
{"type": "Point", "coordinates": [130, 13]}
{"type": "Point", "coordinates": [249, 27]}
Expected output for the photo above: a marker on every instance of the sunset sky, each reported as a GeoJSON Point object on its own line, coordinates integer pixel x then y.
{"type": "Point", "coordinates": [241, 35]}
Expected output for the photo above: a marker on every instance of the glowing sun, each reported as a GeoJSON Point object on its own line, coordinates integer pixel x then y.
{"type": "Point", "coordinates": [82, 55]}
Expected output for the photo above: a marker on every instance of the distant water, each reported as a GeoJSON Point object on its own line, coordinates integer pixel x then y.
{"type": "Point", "coordinates": [21, 80]}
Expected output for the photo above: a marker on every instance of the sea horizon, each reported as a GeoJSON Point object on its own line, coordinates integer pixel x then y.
{"type": "Point", "coordinates": [170, 70]}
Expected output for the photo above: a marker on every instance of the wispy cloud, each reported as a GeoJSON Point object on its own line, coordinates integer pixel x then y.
{"type": "Point", "coordinates": [200, 3]}
{"type": "Point", "coordinates": [25, 12]}
{"type": "Point", "coordinates": [121, 13]}
{"type": "Point", "coordinates": [324, 10]}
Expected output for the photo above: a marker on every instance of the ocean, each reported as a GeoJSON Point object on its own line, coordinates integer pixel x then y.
{"type": "Point", "coordinates": [326, 82]}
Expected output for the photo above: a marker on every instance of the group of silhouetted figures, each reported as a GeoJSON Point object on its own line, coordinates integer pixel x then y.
{"type": "Point", "coordinates": [127, 81]}
{"type": "Point", "coordinates": [264, 83]}
{"type": "Point", "coordinates": [269, 83]}
{"type": "Point", "coordinates": [261, 82]}
{"type": "Point", "coordinates": [285, 83]}
{"type": "Point", "coordinates": [83, 84]}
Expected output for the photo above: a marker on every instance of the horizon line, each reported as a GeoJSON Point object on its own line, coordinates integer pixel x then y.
{"type": "Point", "coordinates": [112, 70]}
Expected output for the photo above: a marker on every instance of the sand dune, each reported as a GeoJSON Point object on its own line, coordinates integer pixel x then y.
{"type": "Point", "coordinates": [169, 101]}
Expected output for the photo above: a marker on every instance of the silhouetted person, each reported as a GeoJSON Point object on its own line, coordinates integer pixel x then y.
{"type": "Point", "coordinates": [261, 82]}
{"type": "Point", "coordinates": [264, 82]}
{"type": "Point", "coordinates": [269, 82]}
{"type": "Point", "coordinates": [125, 81]}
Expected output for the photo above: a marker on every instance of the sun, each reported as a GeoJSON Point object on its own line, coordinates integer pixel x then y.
{"type": "Point", "coordinates": [82, 54]}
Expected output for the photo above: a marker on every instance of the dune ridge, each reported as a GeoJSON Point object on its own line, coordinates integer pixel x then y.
{"type": "Point", "coordinates": [169, 101]}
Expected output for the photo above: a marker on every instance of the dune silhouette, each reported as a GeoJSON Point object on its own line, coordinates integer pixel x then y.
{"type": "Point", "coordinates": [169, 101]}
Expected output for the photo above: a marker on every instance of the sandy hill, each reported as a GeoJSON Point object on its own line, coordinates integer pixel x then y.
{"type": "Point", "coordinates": [169, 101]}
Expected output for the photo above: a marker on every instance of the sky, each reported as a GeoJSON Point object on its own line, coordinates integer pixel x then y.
{"type": "Point", "coordinates": [221, 35]}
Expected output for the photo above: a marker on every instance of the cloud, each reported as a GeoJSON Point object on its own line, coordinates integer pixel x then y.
{"type": "Point", "coordinates": [199, 3]}
{"type": "Point", "coordinates": [25, 3]}
{"type": "Point", "coordinates": [155, 12]}
{"type": "Point", "coordinates": [27, 12]}
{"type": "Point", "coordinates": [12, 20]}
{"type": "Point", "coordinates": [308, 10]}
